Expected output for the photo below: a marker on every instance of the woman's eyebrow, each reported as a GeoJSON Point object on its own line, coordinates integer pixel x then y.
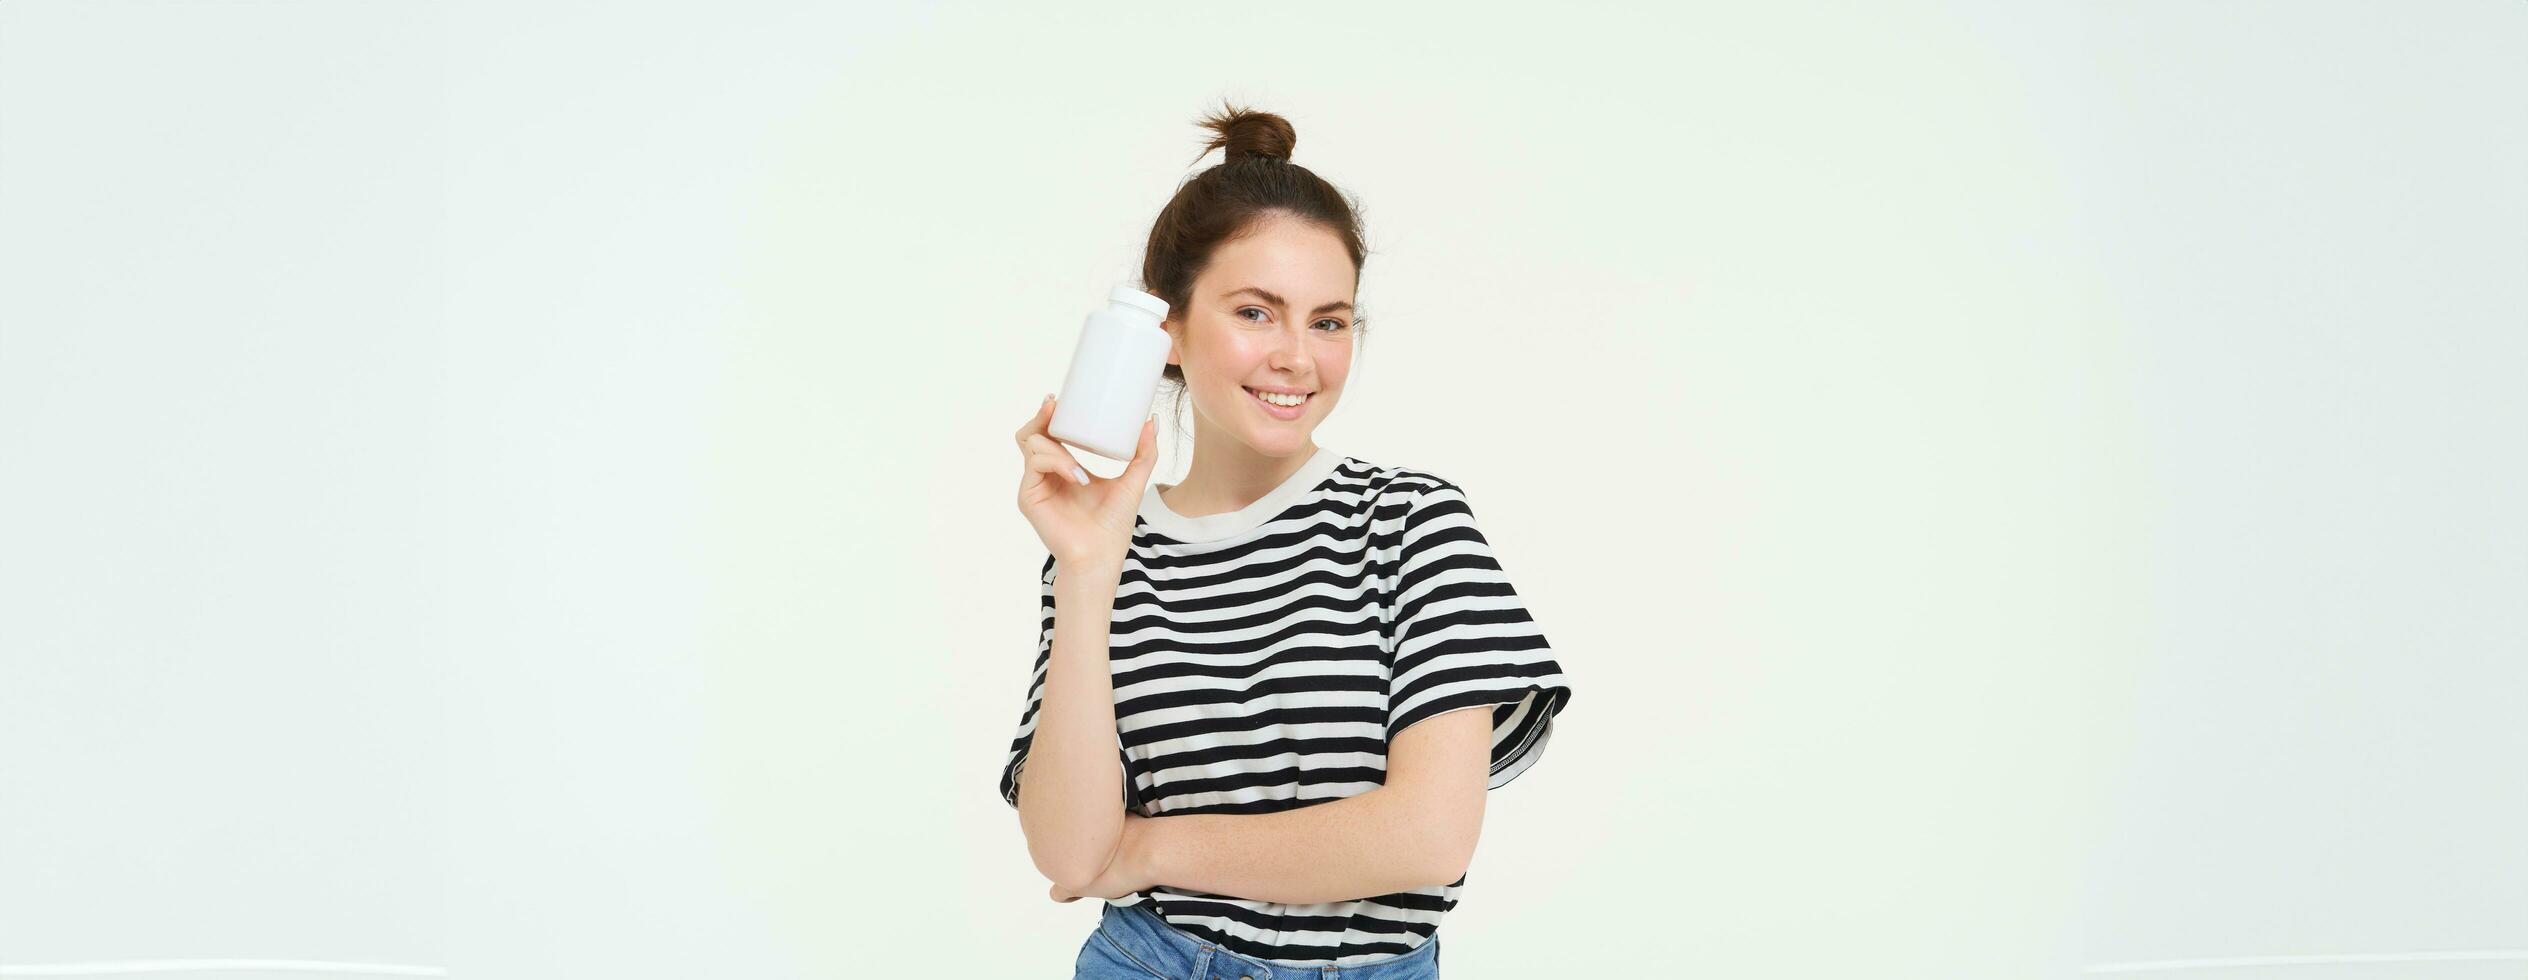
{"type": "Point", "coordinates": [1278, 301]}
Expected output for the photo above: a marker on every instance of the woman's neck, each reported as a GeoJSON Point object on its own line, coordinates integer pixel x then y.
{"type": "Point", "coordinates": [1230, 477]}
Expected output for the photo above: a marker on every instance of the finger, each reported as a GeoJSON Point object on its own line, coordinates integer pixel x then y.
{"type": "Point", "coordinates": [1053, 466]}
{"type": "Point", "coordinates": [1058, 465]}
{"type": "Point", "coordinates": [1071, 469]}
{"type": "Point", "coordinates": [1145, 453]}
{"type": "Point", "coordinates": [1035, 423]}
{"type": "Point", "coordinates": [1038, 442]}
{"type": "Point", "coordinates": [1044, 410]}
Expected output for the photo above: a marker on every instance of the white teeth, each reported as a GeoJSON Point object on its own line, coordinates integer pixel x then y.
{"type": "Point", "coordinates": [1285, 401]}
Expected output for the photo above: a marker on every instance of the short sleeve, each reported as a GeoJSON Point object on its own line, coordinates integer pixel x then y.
{"type": "Point", "coordinates": [1017, 760]}
{"type": "Point", "coordinates": [1462, 638]}
{"type": "Point", "coordinates": [1013, 767]}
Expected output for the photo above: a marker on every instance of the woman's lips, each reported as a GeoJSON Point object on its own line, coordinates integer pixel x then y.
{"type": "Point", "coordinates": [1276, 411]}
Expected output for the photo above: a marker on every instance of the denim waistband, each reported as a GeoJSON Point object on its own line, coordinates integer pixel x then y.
{"type": "Point", "coordinates": [1170, 952]}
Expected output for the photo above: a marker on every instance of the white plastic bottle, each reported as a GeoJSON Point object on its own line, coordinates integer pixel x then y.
{"type": "Point", "coordinates": [1114, 375]}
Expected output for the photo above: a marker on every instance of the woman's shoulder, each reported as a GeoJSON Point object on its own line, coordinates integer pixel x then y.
{"type": "Point", "coordinates": [1403, 488]}
{"type": "Point", "coordinates": [1387, 479]}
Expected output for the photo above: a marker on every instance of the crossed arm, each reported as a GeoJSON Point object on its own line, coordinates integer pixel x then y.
{"type": "Point", "coordinates": [1418, 830]}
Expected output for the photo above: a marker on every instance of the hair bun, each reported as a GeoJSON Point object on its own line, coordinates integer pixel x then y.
{"type": "Point", "coordinates": [1247, 134]}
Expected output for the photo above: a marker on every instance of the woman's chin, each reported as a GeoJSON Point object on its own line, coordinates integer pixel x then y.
{"type": "Point", "coordinates": [1270, 436]}
{"type": "Point", "coordinates": [1284, 441]}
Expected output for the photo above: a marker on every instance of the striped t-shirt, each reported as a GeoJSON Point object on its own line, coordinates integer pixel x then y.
{"type": "Point", "coordinates": [1263, 658]}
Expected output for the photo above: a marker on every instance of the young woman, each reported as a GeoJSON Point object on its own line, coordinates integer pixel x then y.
{"type": "Point", "coordinates": [1275, 664]}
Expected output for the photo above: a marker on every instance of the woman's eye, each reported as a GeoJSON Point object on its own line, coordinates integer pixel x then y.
{"type": "Point", "coordinates": [1244, 310]}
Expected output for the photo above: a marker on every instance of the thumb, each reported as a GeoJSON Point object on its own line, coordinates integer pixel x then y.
{"type": "Point", "coordinates": [1145, 454]}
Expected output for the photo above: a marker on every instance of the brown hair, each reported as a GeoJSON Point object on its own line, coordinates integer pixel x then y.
{"type": "Point", "coordinates": [1254, 178]}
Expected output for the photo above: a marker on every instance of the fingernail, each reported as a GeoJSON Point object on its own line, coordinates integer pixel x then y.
{"type": "Point", "coordinates": [1080, 475]}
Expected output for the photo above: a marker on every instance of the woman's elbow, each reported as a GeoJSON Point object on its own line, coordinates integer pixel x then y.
{"type": "Point", "coordinates": [1074, 867]}
{"type": "Point", "coordinates": [1071, 858]}
{"type": "Point", "coordinates": [1449, 840]}
{"type": "Point", "coordinates": [1447, 870]}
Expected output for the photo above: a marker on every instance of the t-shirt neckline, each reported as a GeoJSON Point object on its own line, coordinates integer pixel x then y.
{"type": "Point", "coordinates": [1213, 527]}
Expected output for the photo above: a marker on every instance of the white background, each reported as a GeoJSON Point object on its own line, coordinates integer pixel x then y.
{"type": "Point", "coordinates": [525, 489]}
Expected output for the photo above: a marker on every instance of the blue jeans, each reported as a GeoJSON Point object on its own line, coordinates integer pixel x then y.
{"type": "Point", "coordinates": [1133, 943]}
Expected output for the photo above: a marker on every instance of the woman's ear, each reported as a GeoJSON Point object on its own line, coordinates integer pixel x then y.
{"type": "Point", "coordinates": [1172, 327]}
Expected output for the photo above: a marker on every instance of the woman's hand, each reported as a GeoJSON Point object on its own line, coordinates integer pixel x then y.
{"type": "Point", "coordinates": [1079, 515]}
{"type": "Point", "coordinates": [1129, 872]}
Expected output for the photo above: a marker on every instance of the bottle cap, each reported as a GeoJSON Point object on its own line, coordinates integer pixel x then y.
{"type": "Point", "coordinates": [1137, 299]}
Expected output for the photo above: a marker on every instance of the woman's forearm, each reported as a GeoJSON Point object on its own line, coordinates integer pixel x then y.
{"type": "Point", "coordinates": [1356, 847]}
{"type": "Point", "coordinates": [1070, 797]}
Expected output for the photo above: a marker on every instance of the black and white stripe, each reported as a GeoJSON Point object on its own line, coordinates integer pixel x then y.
{"type": "Point", "coordinates": [1263, 660]}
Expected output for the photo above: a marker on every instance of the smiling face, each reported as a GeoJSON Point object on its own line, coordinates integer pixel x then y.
{"type": "Point", "coordinates": [1271, 313]}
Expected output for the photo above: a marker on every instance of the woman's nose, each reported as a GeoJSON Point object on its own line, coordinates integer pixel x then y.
{"type": "Point", "coordinates": [1293, 353]}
